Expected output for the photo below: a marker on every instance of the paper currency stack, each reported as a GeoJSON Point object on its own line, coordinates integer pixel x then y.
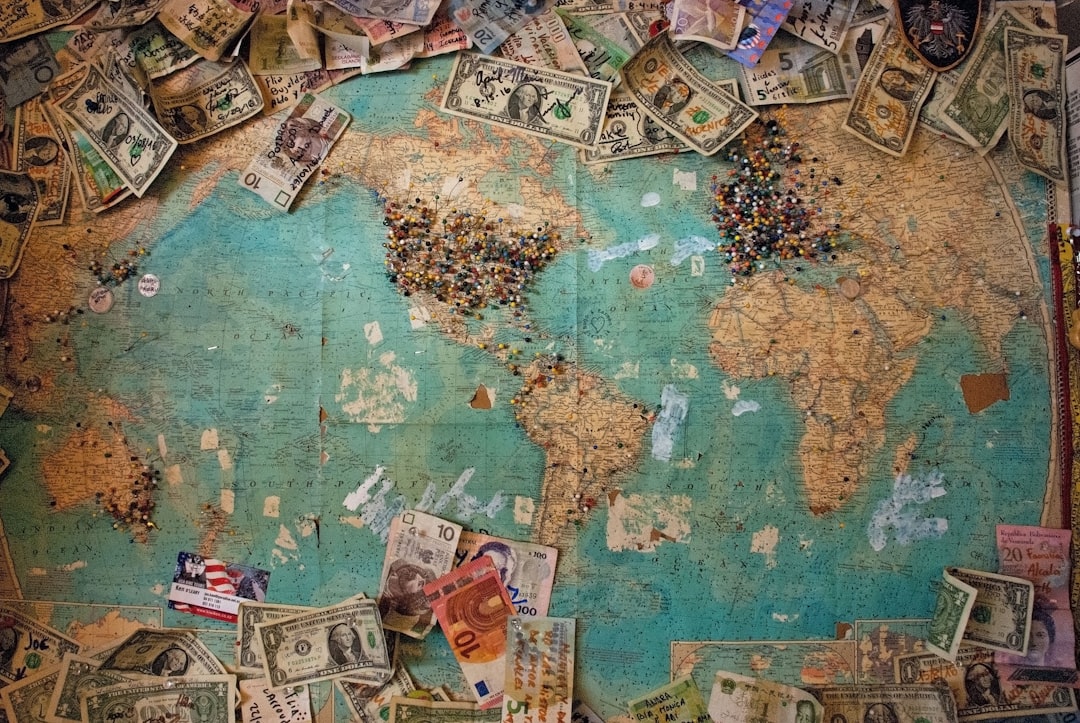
{"type": "Point", "coordinates": [999, 646]}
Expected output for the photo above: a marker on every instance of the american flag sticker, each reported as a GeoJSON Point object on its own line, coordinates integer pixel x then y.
{"type": "Point", "coordinates": [214, 589]}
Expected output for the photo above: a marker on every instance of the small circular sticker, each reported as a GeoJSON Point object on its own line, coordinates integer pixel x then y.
{"type": "Point", "coordinates": [101, 300]}
{"type": "Point", "coordinates": [149, 285]}
{"type": "Point", "coordinates": [642, 276]}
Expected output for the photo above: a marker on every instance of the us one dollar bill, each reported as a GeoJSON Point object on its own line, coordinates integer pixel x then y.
{"type": "Point", "coordinates": [123, 14]}
{"type": "Point", "coordinates": [791, 71]}
{"type": "Point", "coordinates": [885, 108]}
{"type": "Point", "coordinates": [299, 146]}
{"type": "Point", "coordinates": [206, 26]}
{"type": "Point", "coordinates": [541, 102]}
{"type": "Point", "coordinates": [341, 640]}
{"type": "Point", "coordinates": [887, 703]}
{"type": "Point", "coordinates": [206, 99]}
{"type": "Point", "coordinates": [679, 701]}
{"type": "Point", "coordinates": [1035, 73]}
{"type": "Point", "coordinates": [544, 42]}
{"type": "Point", "coordinates": [38, 152]}
{"type": "Point", "coordinates": [20, 19]}
{"type": "Point", "coordinates": [472, 606]}
{"type": "Point", "coordinates": [716, 22]}
{"type": "Point", "coordinates": [206, 699]}
{"type": "Point", "coordinates": [737, 697]}
{"type": "Point", "coordinates": [26, 699]}
{"type": "Point", "coordinates": [27, 647]}
{"type": "Point", "coordinates": [539, 679]}
{"type": "Point", "coordinates": [689, 106]}
{"type": "Point", "coordinates": [955, 599]}
{"type": "Point", "coordinates": [249, 652]}
{"type": "Point", "coordinates": [525, 568]}
{"type": "Point", "coordinates": [371, 704]}
{"type": "Point", "coordinates": [163, 653]}
{"type": "Point", "coordinates": [978, 688]}
{"type": "Point", "coordinates": [1001, 616]}
{"type": "Point", "coordinates": [76, 675]}
{"type": "Point", "coordinates": [977, 109]}
{"type": "Point", "coordinates": [415, 710]}
{"type": "Point", "coordinates": [128, 137]}
{"type": "Point", "coordinates": [630, 132]}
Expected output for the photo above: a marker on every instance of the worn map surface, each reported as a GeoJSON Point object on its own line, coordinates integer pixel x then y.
{"type": "Point", "coordinates": [717, 458]}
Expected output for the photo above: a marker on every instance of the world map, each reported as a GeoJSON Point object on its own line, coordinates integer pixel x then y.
{"type": "Point", "coordinates": [717, 457]}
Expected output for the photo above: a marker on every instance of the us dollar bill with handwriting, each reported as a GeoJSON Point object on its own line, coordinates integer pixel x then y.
{"type": "Point", "coordinates": [298, 147]}
{"type": "Point", "coordinates": [1001, 616]}
{"type": "Point", "coordinates": [688, 105]}
{"type": "Point", "coordinates": [20, 19]}
{"type": "Point", "coordinates": [27, 647]}
{"type": "Point", "coordinates": [893, 87]}
{"type": "Point", "coordinates": [371, 704]}
{"type": "Point", "coordinates": [126, 135]}
{"type": "Point", "coordinates": [955, 599]}
{"type": "Point", "coordinates": [163, 653]}
{"type": "Point", "coordinates": [341, 640]}
{"type": "Point", "coordinates": [75, 676]}
{"type": "Point", "coordinates": [791, 71]}
{"type": "Point", "coordinates": [525, 568]}
{"type": "Point", "coordinates": [205, 99]}
{"type": "Point", "coordinates": [26, 699]}
{"type": "Point", "coordinates": [249, 652]}
{"type": "Point", "coordinates": [38, 152]}
{"type": "Point", "coordinates": [158, 52]}
{"type": "Point", "coordinates": [541, 102]}
{"type": "Point", "coordinates": [207, 699]}
{"type": "Point", "coordinates": [1035, 74]}
{"type": "Point", "coordinates": [978, 688]}
{"type": "Point", "coordinates": [206, 26]}
{"type": "Point", "coordinates": [123, 14]}
{"type": "Point", "coordinates": [977, 109]}
{"type": "Point", "coordinates": [539, 678]}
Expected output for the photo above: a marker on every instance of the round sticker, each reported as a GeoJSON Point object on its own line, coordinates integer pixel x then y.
{"type": "Point", "coordinates": [101, 300]}
{"type": "Point", "coordinates": [149, 285]}
{"type": "Point", "coordinates": [642, 276]}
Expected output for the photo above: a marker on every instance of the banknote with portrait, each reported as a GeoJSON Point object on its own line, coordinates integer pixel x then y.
{"type": "Point", "coordinates": [932, 703]}
{"type": "Point", "coordinates": [206, 99]}
{"type": "Point", "coordinates": [163, 653]}
{"type": "Point", "coordinates": [526, 569]}
{"type": "Point", "coordinates": [249, 652]}
{"type": "Point", "coordinates": [20, 19]}
{"type": "Point", "coordinates": [76, 675]}
{"type": "Point", "coordinates": [1035, 75]}
{"type": "Point", "coordinates": [39, 152]}
{"type": "Point", "coordinates": [206, 699]}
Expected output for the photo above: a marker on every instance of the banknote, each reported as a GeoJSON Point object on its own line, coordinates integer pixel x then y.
{"type": "Point", "coordinates": [617, 28]}
{"type": "Point", "coordinates": [164, 653]}
{"type": "Point", "coordinates": [592, 7]}
{"type": "Point", "coordinates": [791, 71]}
{"type": "Point", "coordinates": [977, 687]}
{"type": "Point", "coordinates": [76, 675]}
{"type": "Point", "coordinates": [1001, 616]}
{"type": "Point", "coordinates": [716, 22]}
{"type": "Point", "coordinates": [128, 138]}
{"type": "Point", "coordinates": [737, 697]}
{"type": "Point", "coordinates": [206, 26]}
{"type": "Point", "coordinates": [126, 78]}
{"type": "Point", "coordinates": [893, 86]}
{"type": "Point", "coordinates": [20, 19]}
{"type": "Point", "coordinates": [371, 704]}
{"type": "Point", "coordinates": [544, 42]}
{"type": "Point", "coordinates": [338, 56]}
{"type": "Point", "coordinates": [379, 31]}
{"type": "Point", "coordinates": [764, 18]}
{"type": "Point", "coordinates": [645, 25]}
{"type": "Point", "coordinates": [206, 699]}
{"type": "Point", "coordinates": [688, 105]}
{"type": "Point", "coordinates": [300, 23]}
{"type": "Point", "coordinates": [823, 23]}
{"type": "Point", "coordinates": [346, 29]}
{"type": "Point", "coordinates": [98, 186]}
{"type": "Point", "coordinates": [411, 12]}
{"type": "Point", "coordinates": [472, 606]}
{"type": "Point", "coordinates": [123, 14]}
{"type": "Point", "coordinates": [443, 36]}
{"type": "Point", "coordinates": [414, 710]}
{"type": "Point", "coordinates": [601, 55]}
{"type": "Point", "coordinates": [955, 599]}
{"type": "Point", "coordinates": [331, 642]}
{"type": "Point", "coordinates": [26, 699]}
{"type": "Point", "coordinates": [249, 653]}
{"type": "Point", "coordinates": [38, 152]}
{"type": "Point", "coordinates": [888, 703]}
{"type": "Point", "coordinates": [26, 69]}
{"type": "Point", "coordinates": [582, 713]}
{"type": "Point", "coordinates": [977, 109]}
{"type": "Point", "coordinates": [27, 647]}
{"type": "Point", "coordinates": [679, 701]}
{"type": "Point", "coordinates": [393, 54]}
{"type": "Point", "coordinates": [273, 52]}
{"type": "Point", "coordinates": [525, 568]}
{"type": "Point", "coordinates": [1035, 75]}
{"type": "Point", "coordinates": [539, 677]}
{"type": "Point", "coordinates": [298, 147]}
{"type": "Point", "coordinates": [210, 98]}
{"type": "Point", "coordinates": [259, 703]}
{"type": "Point", "coordinates": [931, 115]}
{"type": "Point", "coordinates": [284, 91]}
{"type": "Point", "coordinates": [489, 24]}
{"type": "Point", "coordinates": [158, 52]}
{"type": "Point", "coordinates": [868, 11]}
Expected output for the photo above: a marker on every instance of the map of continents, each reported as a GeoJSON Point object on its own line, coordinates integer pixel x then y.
{"type": "Point", "coordinates": [715, 457]}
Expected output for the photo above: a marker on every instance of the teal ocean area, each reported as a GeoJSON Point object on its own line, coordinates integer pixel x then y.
{"type": "Point", "coordinates": [264, 319]}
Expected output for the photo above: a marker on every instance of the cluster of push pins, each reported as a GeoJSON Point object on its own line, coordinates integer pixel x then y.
{"type": "Point", "coordinates": [138, 508]}
{"type": "Point", "coordinates": [465, 260]}
{"type": "Point", "coordinates": [120, 271]}
{"type": "Point", "coordinates": [766, 208]}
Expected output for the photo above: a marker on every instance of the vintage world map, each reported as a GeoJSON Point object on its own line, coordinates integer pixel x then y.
{"type": "Point", "coordinates": [716, 457]}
